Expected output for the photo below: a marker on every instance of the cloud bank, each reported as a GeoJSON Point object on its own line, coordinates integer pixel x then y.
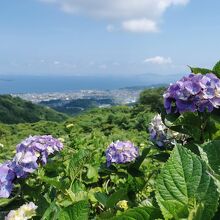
{"type": "Point", "coordinates": [159, 60]}
{"type": "Point", "coordinates": [133, 15]}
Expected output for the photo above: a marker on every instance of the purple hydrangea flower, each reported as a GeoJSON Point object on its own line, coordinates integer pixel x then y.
{"type": "Point", "coordinates": [195, 92]}
{"type": "Point", "coordinates": [7, 176]}
{"type": "Point", "coordinates": [121, 152]}
{"type": "Point", "coordinates": [34, 151]}
{"type": "Point", "coordinates": [161, 135]}
{"type": "Point", "coordinates": [30, 153]}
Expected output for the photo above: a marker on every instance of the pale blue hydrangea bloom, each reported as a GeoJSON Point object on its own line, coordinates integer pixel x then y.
{"type": "Point", "coordinates": [121, 152]}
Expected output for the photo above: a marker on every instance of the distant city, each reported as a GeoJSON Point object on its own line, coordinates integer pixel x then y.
{"type": "Point", "coordinates": [120, 96]}
{"type": "Point", "coordinates": [77, 101]}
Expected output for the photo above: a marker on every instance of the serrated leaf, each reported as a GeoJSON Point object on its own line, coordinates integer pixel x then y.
{"type": "Point", "coordinates": [140, 213]}
{"type": "Point", "coordinates": [212, 150]}
{"type": "Point", "coordinates": [77, 211]}
{"type": "Point", "coordinates": [197, 70]}
{"type": "Point", "coordinates": [121, 194]}
{"type": "Point", "coordinates": [184, 184]}
{"type": "Point", "coordinates": [52, 212]}
{"type": "Point", "coordinates": [77, 163]}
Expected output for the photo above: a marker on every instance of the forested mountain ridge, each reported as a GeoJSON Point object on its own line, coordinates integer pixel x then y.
{"type": "Point", "coordinates": [15, 110]}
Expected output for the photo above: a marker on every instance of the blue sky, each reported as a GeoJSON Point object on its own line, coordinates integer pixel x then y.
{"type": "Point", "coordinates": [111, 37]}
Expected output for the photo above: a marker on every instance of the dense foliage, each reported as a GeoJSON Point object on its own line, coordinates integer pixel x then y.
{"type": "Point", "coordinates": [113, 167]}
{"type": "Point", "coordinates": [15, 110]}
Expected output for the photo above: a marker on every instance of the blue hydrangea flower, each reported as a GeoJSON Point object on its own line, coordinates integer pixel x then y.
{"type": "Point", "coordinates": [34, 151]}
{"type": "Point", "coordinates": [121, 152]}
{"type": "Point", "coordinates": [6, 178]}
{"type": "Point", "coordinates": [195, 92]}
{"type": "Point", "coordinates": [161, 135]}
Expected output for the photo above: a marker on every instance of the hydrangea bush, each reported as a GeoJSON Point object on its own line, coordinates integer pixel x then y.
{"type": "Point", "coordinates": [30, 154]}
{"type": "Point", "coordinates": [97, 178]}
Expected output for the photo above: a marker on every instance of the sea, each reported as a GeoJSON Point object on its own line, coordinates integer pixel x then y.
{"type": "Point", "coordinates": [44, 83]}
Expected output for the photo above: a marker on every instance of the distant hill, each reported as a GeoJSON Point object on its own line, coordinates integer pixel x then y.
{"type": "Point", "coordinates": [15, 110]}
{"type": "Point", "coordinates": [77, 106]}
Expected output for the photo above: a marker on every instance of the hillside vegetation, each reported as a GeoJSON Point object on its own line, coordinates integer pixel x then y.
{"type": "Point", "coordinates": [119, 122]}
{"type": "Point", "coordinates": [146, 161]}
{"type": "Point", "coordinates": [14, 110]}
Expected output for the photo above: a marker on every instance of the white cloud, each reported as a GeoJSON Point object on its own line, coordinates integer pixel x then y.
{"type": "Point", "coordinates": [140, 25]}
{"type": "Point", "coordinates": [158, 60]}
{"type": "Point", "coordinates": [135, 15]}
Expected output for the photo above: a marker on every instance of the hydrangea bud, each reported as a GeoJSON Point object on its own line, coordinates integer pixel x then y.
{"type": "Point", "coordinates": [195, 92]}
{"type": "Point", "coordinates": [121, 152]}
{"type": "Point", "coordinates": [25, 212]}
{"type": "Point", "coordinates": [123, 204]}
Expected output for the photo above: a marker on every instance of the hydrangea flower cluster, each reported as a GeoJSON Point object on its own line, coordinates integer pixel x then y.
{"type": "Point", "coordinates": [7, 176]}
{"type": "Point", "coordinates": [195, 92]}
{"type": "Point", "coordinates": [161, 135]}
{"type": "Point", "coordinates": [30, 153]}
{"type": "Point", "coordinates": [25, 212]}
{"type": "Point", "coordinates": [121, 152]}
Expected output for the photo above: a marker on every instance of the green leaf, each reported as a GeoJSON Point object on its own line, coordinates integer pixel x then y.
{"type": "Point", "coordinates": [92, 172]}
{"type": "Point", "coordinates": [101, 197]}
{"type": "Point", "coordinates": [140, 159]}
{"type": "Point", "coordinates": [52, 181]}
{"type": "Point", "coordinates": [212, 150]}
{"type": "Point", "coordinates": [196, 213]}
{"type": "Point", "coordinates": [216, 69]}
{"type": "Point", "coordinates": [133, 168]}
{"type": "Point", "coordinates": [197, 70]}
{"type": "Point", "coordinates": [77, 163]}
{"type": "Point", "coordinates": [184, 184]}
{"type": "Point", "coordinates": [121, 194]}
{"type": "Point", "coordinates": [188, 123]}
{"type": "Point", "coordinates": [5, 202]}
{"type": "Point", "coordinates": [52, 212]}
{"type": "Point", "coordinates": [163, 156]}
{"type": "Point", "coordinates": [140, 213]}
{"type": "Point", "coordinates": [77, 211]}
